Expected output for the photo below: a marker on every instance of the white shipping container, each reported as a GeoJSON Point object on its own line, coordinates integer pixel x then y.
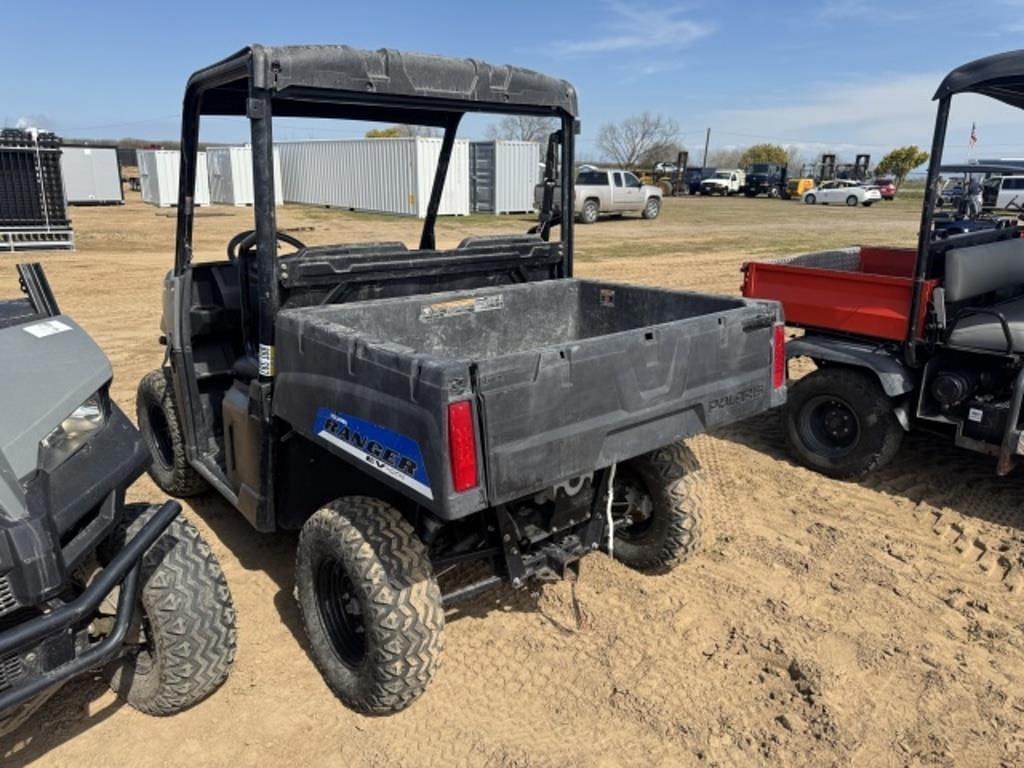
{"type": "Point", "coordinates": [386, 175]}
{"type": "Point", "coordinates": [503, 175]}
{"type": "Point", "coordinates": [231, 175]}
{"type": "Point", "coordinates": [92, 175]}
{"type": "Point", "coordinates": [158, 177]}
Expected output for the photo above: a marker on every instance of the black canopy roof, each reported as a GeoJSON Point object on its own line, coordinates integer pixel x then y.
{"type": "Point", "coordinates": [1005, 170]}
{"type": "Point", "coordinates": [1000, 76]}
{"type": "Point", "coordinates": [385, 85]}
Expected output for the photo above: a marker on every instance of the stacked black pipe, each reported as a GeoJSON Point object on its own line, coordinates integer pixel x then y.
{"type": "Point", "coordinates": [31, 186]}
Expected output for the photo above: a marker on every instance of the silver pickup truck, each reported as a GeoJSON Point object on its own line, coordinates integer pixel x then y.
{"type": "Point", "coordinates": [599, 192]}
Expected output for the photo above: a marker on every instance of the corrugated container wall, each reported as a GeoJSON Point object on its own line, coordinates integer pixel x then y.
{"type": "Point", "coordinates": [158, 176]}
{"type": "Point", "coordinates": [92, 175]}
{"type": "Point", "coordinates": [231, 175]}
{"type": "Point", "coordinates": [386, 175]}
{"type": "Point", "coordinates": [503, 175]}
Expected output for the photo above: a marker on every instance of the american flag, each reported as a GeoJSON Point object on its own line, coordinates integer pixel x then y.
{"type": "Point", "coordinates": [974, 135]}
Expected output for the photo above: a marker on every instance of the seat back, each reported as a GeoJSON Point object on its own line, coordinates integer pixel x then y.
{"type": "Point", "coordinates": [979, 269]}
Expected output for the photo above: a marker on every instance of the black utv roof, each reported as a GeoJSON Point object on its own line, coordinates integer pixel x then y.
{"type": "Point", "coordinates": [311, 80]}
{"type": "Point", "coordinates": [1000, 76]}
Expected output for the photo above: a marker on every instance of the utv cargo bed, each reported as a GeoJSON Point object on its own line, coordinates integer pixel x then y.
{"type": "Point", "coordinates": [562, 377]}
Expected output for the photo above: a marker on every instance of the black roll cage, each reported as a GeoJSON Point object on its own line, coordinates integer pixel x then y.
{"type": "Point", "coordinates": [340, 82]}
{"type": "Point", "coordinates": [1000, 77]}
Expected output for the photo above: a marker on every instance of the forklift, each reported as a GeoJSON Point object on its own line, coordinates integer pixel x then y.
{"type": "Point", "coordinates": [671, 178]}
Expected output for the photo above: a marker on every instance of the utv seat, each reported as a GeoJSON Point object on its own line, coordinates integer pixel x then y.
{"type": "Point", "coordinates": [974, 274]}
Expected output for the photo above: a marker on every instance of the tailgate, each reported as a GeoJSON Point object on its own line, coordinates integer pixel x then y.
{"type": "Point", "coordinates": [865, 291]}
{"type": "Point", "coordinates": [557, 413]}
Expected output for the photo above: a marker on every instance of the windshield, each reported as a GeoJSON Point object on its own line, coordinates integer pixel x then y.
{"type": "Point", "coordinates": [722, 175]}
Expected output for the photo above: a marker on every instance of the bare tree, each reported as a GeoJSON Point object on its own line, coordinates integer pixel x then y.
{"type": "Point", "coordinates": [629, 142]}
{"type": "Point", "coordinates": [522, 128]}
{"type": "Point", "coordinates": [402, 132]}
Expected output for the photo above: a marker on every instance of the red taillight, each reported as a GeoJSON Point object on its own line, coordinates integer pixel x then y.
{"type": "Point", "coordinates": [462, 445]}
{"type": "Point", "coordinates": [778, 355]}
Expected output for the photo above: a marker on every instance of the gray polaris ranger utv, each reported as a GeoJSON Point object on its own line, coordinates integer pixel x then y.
{"type": "Point", "coordinates": [413, 409]}
{"type": "Point", "coordinates": [86, 580]}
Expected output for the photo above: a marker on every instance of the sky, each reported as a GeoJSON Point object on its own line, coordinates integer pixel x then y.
{"type": "Point", "coordinates": [835, 75]}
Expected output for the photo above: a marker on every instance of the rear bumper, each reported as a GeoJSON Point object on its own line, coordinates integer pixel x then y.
{"type": "Point", "coordinates": [50, 648]}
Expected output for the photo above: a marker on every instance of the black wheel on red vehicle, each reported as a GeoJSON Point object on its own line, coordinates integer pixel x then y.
{"type": "Point", "coordinates": [656, 509]}
{"type": "Point", "coordinates": [839, 421]}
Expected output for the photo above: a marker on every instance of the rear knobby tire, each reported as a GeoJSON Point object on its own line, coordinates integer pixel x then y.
{"type": "Point", "coordinates": [670, 477]}
{"type": "Point", "coordinates": [370, 604]}
{"type": "Point", "coordinates": [841, 393]}
{"type": "Point", "coordinates": [186, 619]}
{"type": "Point", "coordinates": [157, 415]}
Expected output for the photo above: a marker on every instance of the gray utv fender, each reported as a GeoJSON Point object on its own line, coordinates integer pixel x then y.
{"type": "Point", "coordinates": [894, 377]}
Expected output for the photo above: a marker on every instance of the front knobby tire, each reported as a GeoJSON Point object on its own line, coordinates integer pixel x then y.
{"type": "Point", "coordinates": [157, 416]}
{"type": "Point", "coordinates": [657, 509]}
{"type": "Point", "coordinates": [370, 604]}
{"type": "Point", "coordinates": [840, 422]}
{"type": "Point", "coordinates": [183, 645]}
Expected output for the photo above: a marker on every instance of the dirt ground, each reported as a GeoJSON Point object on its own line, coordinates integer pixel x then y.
{"type": "Point", "coordinates": [826, 623]}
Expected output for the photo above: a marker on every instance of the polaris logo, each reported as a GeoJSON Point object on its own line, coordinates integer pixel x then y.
{"type": "Point", "coordinates": [743, 396]}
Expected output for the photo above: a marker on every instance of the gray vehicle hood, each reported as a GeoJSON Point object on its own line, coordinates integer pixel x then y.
{"type": "Point", "coordinates": [50, 366]}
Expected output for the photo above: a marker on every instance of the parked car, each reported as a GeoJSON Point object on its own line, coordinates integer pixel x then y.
{"type": "Point", "coordinates": [886, 188]}
{"type": "Point", "coordinates": [724, 182]}
{"type": "Point", "coordinates": [599, 192]}
{"type": "Point", "coordinates": [1003, 192]}
{"type": "Point", "coordinates": [841, 191]}
{"type": "Point", "coordinates": [694, 177]}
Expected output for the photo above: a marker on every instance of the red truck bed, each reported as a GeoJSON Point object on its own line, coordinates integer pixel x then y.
{"type": "Point", "coordinates": [865, 291]}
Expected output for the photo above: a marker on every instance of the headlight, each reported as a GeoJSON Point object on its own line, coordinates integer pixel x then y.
{"type": "Point", "coordinates": [73, 432]}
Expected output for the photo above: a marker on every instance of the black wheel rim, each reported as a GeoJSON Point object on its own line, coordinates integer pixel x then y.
{"type": "Point", "coordinates": [340, 613]}
{"type": "Point", "coordinates": [160, 437]}
{"type": "Point", "coordinates": [632, 506]}
{"type": "Point", "coordinates": [829, 426]}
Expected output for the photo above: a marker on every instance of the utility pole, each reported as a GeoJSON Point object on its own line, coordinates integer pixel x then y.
{"type": "Point", "coordinates": [707, 140]}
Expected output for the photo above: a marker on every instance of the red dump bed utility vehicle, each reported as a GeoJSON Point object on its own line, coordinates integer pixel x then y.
{"type": "Point", "coordinates": [865, 291]}
{"type": "Point", "coordinates": [925, 338]}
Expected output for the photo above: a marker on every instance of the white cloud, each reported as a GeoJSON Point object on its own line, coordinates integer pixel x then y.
{"type": "Point", "coordinates": [871, 116]}
{"type": "Point", "coordinates": [641, 28]}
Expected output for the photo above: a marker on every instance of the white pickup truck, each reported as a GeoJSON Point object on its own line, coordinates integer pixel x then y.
{"type": "Point", "coordinates": [724, 182]}
{"type": "Point", "coordinates": [599, 192]}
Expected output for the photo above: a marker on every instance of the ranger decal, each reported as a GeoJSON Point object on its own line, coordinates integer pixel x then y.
{"type": "Point", "coordinates": [397, 456]}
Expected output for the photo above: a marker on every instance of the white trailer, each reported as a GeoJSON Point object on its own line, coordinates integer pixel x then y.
{"type": "Point", "coordinates": [158, 177]}
{"type": "Point", "coordinates": [385, 175]}
{"type": "Point", "coordinates": [231, 175]}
